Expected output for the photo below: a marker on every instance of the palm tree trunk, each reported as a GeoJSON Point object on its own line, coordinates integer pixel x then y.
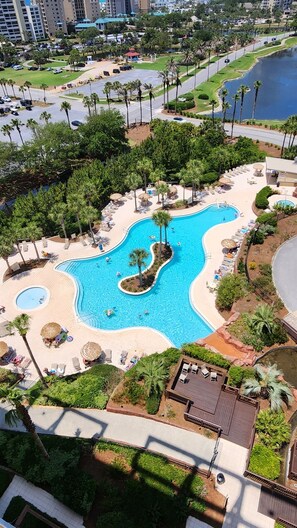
{"type": "Point", "coordinates": [36, 250]}
{"type": "Point", "coordinates": [67, 114]}
{"type": "Point", "coordinates": [34, 361]}
{"type": "Point", "coordinates": [151, 108]}
{"type": "Point", "coordinates": [164, 86]}
{"type": "Point", "coordinates": [160, 245]}
{"type": "Point", "coordinates": [92, 233]}
{"type": "Point", "coordinates": [20, 134]}
{"type": "Point", "coordinates": [283, 145]}
{"type": "Point", "coordinates": [63, 228]}
{"type": "Point", "coordinates": [7, 263]}
{"type": "Point", "coordinates": [127, 110]}
{"type": "Point", "coordinates": [140, 275]}
{"type": "Point", "coordinates": [21, 254]}
{"type": "Point", "coordinates": [233, 119]}
{"type": "Point", "coordinates": [79, 225]}
{"type": "Point", "coordinates": [165, 228]}
{"type": "Point", "coordinates": [135, 201]}
{"type": "Point", "coordinates": [30, 427]}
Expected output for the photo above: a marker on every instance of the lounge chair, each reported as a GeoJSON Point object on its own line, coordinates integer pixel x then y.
{"type": "Point", "coordinates": [44, 242]}
{"type": "Point", "coordinates": [213, 376]}
{"type": "Point", "coordinates": [25, 363]}
{"type": "Point", "coordinates": [194, 369]}
{"type": "Point", "coordinates": [61, 369]}
{"type": "Point", "coordinates": [54, 368]}
{"type": "Point", "coordinates": [83, 241]}
{"type": "Point", "coordinates": [76, 363]}
{"type": "Point", "coordinates": [15, 266]}
{"type": "Point", "coordinates": [182, 378]}
{"type": "Point", "coordinates": [186, 367]}
{"type": "Point", "coordinates": [67, 243]}
{"type": "Point", "coordinates": [205, 372]}
{"type": "Point", "coordinates": [108, 355]}
{"type": "Point", "coordinates": [25, 245]}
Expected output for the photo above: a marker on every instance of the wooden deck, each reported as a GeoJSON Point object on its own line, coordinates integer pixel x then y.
{"type": "Point", "coordinates": [277, 507]}
{"type": "Point", "coordinates": [204, 392]}
{"type": "Point", "coordinates": [293, 462]}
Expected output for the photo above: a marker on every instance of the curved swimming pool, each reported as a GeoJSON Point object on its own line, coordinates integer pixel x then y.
{"type": "Point", "coordinates": [31, 298]}
{"type": "Point", "coordinates": [167, 307]}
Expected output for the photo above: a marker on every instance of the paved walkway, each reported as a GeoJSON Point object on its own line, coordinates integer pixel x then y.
{"type": "Point", "coordinates": [42, 500]}
{"type": "Point", "coordinates": [284, 273]}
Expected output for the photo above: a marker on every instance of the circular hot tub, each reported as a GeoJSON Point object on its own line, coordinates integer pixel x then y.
{"type": "Point", "coordinates": [32, 298]}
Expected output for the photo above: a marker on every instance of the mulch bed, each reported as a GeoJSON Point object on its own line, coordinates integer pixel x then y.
{"type": "Point", "coordinates": [132, 284]}
{"type": "Point", "coordinates": [30, 264]}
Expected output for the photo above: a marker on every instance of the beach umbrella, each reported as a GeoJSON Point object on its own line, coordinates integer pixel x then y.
{"type": "Point", "coordinates": [144, 197]}
{"type": "Point", "coordinates": [172, 189]}
{"type": "Point", "coordinates": [258, 167]}
{"type": "Point", "coordinates": [50, 330]}
{"type": "Point", "coordinates": [229, 243]}
{"type": "Point", "coordinates": [3, 348]}
{"type": "Point", "coordinates": [91, 351]}
{"type": "Point", "coordinates": [225, 181]}
{"type": "Point", "coordinates": [115, 197]}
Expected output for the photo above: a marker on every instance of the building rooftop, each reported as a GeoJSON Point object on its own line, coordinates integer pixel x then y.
{"type": "Point", "coordinates": [281, 165]}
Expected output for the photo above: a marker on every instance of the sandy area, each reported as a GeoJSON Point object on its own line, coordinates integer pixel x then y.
{"type": "Point", "coordinates": [90, 72]}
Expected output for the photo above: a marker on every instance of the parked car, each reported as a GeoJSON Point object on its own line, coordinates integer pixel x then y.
{"type": "Point", "coordinates": [76, 123]}
{"type": "Point", "coordinates": [227, 61]}
{"type": "Point", "coordinates": [14, 112]}
{"type": "Point", "coordinates": [116, 70]}
{"type": "Point", "coordinates": [7, 109]}
{"type": "Point", "coordinates": [17, 67]}
{"type": "Point", "coordinates": [58, 70]}
{"type": "Point", "coordinates": [6, 99]}
{"type": "Point", "coordinates": [106, 73]}
{"type": "Point", "coordinates": [15, 106]}
{"type": "Point", "coordinates": [177, 119]}
{"type": "Point", "coordinates": [1, 101]}
{"type": "Point", "coordinates": [26, 102]}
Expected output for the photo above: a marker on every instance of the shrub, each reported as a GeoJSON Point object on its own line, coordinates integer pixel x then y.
{"type": "Point", "coordinates": [203, 96]}
{"type": "Point", "coordinates": [134, 392]}
{"type": "Point", "coordinates": [272, 429]}
{"type": "Point", "coordinates": [180, 105]}
{"type": "Point", "coordinates": [209, 177]}
{"type": "Point", "coordinates": [199, 352]}
{"type": "Point", "coordinates": [262, 196]}
{"type": "Point", "coordinates": [231, 288]}
{"type": "Point", "coordinates": [153, 403]}
{"type": "Point", "coordinates": [265, 462]}
{"type": "Point", "coordinates": [5, 480]}
{"type": "Point", "coordinates": [237, 375]}
{"type": "Point", "coordinates": [267, 218]}
{"type": "Point", "coordinates": [188, 96]}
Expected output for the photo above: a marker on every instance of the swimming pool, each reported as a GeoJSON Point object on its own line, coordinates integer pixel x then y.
{"type": "Point", "coordinates": [285, 203]}
{"type": "Point", "coordinates": [167, 307]}
{"type": "Point", "coordinates": [31, 298]}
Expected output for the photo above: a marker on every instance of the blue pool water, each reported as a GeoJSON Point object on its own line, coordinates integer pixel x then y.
{"type": "Point", "coordinates": [168, 303]}
{"type": "Point", "coordinates": [31, 298]}
{"type": "Point", "coordinates": [285, 203]}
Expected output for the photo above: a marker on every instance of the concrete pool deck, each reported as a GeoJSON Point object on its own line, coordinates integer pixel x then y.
{"type": "Point", "coordinates": [60, 307]}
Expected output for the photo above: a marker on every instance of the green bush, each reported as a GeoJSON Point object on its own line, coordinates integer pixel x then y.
{"type": "Point", "coordinates": [5, 480]}
{"type": "Point", "coordinates": [237, 375]}
{"type": "Point", "coordinates": [265, 462]}
{"type": "Point", "coordinates": [134, 392]}
{"type": "Point", "coordinates": [231, 288]}
{"type": "Point", "coordinates": [153, 403]}
{"type": "Point", "coordinates": [199, 352]}
{"type": "Point", "coordinates": [188, 96]}
{"type": "Point", "coordinates": [114, 519]}
{"type": "Point", "coordinates": [267, 218]}
{"type": "Point", "coordinates": [261, 200]}
{"type": "Point", "coordinates": [203, 96]}
{"type": "Point", "coordinates": [209, 177]}
{"type": "Point", "coordinates": [180, 105]}
{"type": "Point", "coordinates": [272, 429]}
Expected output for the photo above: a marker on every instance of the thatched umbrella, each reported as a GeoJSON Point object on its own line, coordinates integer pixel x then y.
{"type": "Point", "coordinates": [229, 243]}
{"type": "Point", "coordinates": [160, 182]}
{"type": "Point", "coordinates": [258, 167]}
{"type": "Point", "coordinates": [225, 181]}
{"type": "Point", "coordinates": [115, 197]}
{"type": "Point", "coordinates": [144, 197]}
{"type": "Point", "coordinates": [91, 351]}
{"type": "Point", "coordinates": [3, 348]}
{"type": "Point", "coordinates": [172, 190]}
{"type": "Point", "coordinates": [50, 331]}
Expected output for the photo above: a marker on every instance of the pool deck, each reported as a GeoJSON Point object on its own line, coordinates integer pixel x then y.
{"type": "Point", "coordinates": [60, 306]}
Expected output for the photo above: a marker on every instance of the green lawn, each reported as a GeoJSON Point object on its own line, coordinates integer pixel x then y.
{"type": "Point", "coordinates": [160, 63]}
{"type": "Point", "coordinates": [40, 77]}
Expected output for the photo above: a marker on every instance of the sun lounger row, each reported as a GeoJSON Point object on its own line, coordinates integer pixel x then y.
{"type": "Point", "coordinates": [194, 368]}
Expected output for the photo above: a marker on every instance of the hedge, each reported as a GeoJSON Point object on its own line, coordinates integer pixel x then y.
{"type": "Point", "coordinates": [5, 480]}
{"type": "Point", "coordinates": [265, 462]}
{"type": "Point", "coordinates": [188, 96]}
{"type": "Point", "coordinates": [199, 352]}
{"type": "Point", "coordinates": [267, 218]}
{"type": "Point", "coordinates": [209, 177]}
{"type": "Point", "coordinates": [203, 96]}
{"type": "Point", "coordinates": [262, 196]}
{"type": "Point", "coordinates": [180, 105]}
{"type": "Point", "coordinates": [237, 375]}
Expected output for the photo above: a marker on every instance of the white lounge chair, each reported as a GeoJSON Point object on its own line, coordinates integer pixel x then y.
{"type": "Point", "coordinates": [44, 242]}
{"type": "Point", "coordinates": [67, 243]}
{"type": "Point", "coordinates": [205, 372]}
{"type": "Point", "coordinates": [182, 378]}
{"type": "Point", "coordinates": [213, 376]}
{"type": "Point", "coordinates": [108, 355]}
{"type": "Point", "coordinates": [25, 245]}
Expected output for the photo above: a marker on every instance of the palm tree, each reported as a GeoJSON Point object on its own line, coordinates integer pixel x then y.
{"type": "Point", "coordinates": [213, 104]}
{"type": "Point", "coordinates": [166, 221]}
{"type": "Point", "coordinates": [66, 107]}
{"type": "Point", "coordinates": [11, 83]}
{"type": "Point", "coordinates": [16, 398]}
{"type": "Point", "coordinates": [162, 189]}
{"type": "Point", "coordinates": [16, 233]}
{"type": "Point", "coordinates": [106, 90]}
{"type": "Point", "coordinates": [89, 214]}
{"type": "Point", "coordinates": [154, 374]}
{"type": "Point", "coordinates": [32, 125]}
{"type": "Point", "coordinates": [22, 325]}
{"type": "Point", "coordinates": [76, 204]}
{"type": "Point", "coordinates": [225, 107]}
{"type": "Point", "coordinates": [124, 92]}
{"type": "Point", "coordinates": [139, 97]}
{"type": "Point", "coordinates": [16, 123]}
{"type": "Point", "coordinates": [224, 93]}
{"type": "Point", "coordinates": [242, 90]}
{"type": "Point", "coordinates": [6, 130]}
{"type": "Point", "coordinates": [94, 100]}
{"type": "Point", "coordinates": [268, 385]}
{"type": "Point", "coordinates": [6, 248]}
{"type": "Point", "coordinates": [45, 116]}
{"type": "Point", "coordinates": [236, 98]}
{"type": "Point", "coordinates": [33, 232]}
{"type": "Point", "coordinates": [134, 181]}
{"type": "Point", "coordinates": [28, 84]}
{"type": "Point", "coordinates": [3, 83]}
{"type": "Point", "coordinates": [150, 88]}
{"type": "Point", "coordinates": [163, 76]}
{"type": "Point", "coordinates": [194, 171]}
{"type": "Point", "coordinates": [158, 220]}
{"type": "Point", "coordinates": [43, 87]}
{"type": "Point", "coordinates": [263, 320]}
{"type": "Point", "coordinates": [137, 258]}
{"type": "Point", "coordinates": [177, 85]}
{"type": "Point", "coordinates": [257, 86]}
{"type": "Point", "coordinates": [57, 214]}
{"type": "Point", "coordinates": [22, 89]}
{"type": "Point", "coordinates": [87, 103]}
{"type": "Point", "coordinates": [187, 59]}
{"type": "Point", "coordinates": [144, 168]}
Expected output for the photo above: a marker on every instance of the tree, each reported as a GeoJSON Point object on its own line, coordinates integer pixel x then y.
{"type": "Point", "coordinates": [11, 83]}
{"type": "Point", "coordinates": [225, 107]}
{"type": "Point", "coordinates": [6, 130]}
{"type": "Point", "coordinates": [43, 87]}
{"type": "Point", "coordinates": [177, 85]}
{"type": "Point", "coordinates": [16, 123]}
{"type": "Point", "coordinates": [103, 135]}
{"type": "Point", "coordinates": [6, 248]}
{"type": "Point", "coordinates": [268, 385]}
{"type": "Point", "coordinates": [149, 87]}
{"type": "Point", "coordinates": [3, 83]}
{"type": "Point", "coordinates": [76, 204]}
{"type": "Point", "coordinates": [74, 58]}
{"type": "Point", "coordinates": [154, 374]}
{"type": "Point", "coordinates": [144, 168]}
{"type": "Point", "coordinates": [124, 92]}
{"type": "Point", "coordinates": [33, 232]}
{"type": "Point", "coordinates": [139, 97]}
{"type": "Point", "coordinates": [134, 181]}
{"type": "Point", "coordinates": [231, 288]}
{"type": "Point", "coordinates": [57, 214]}
{"type": "Point", "coordinates": [257, 86]}
{"type": "Point", "coordinates": [94, 101]}
{"type": "Point", "coordinates": [66, 107]}
{"type": "Point", "coordinates": [236, 98]}
{"type": "Point", "coordinates": [88, 215]}
{"type": "Point", "coordinates": [22, 325]}
{"type": "Point", "coordinates": [224, 93]}
{"type": "Point", "coordinates": [22, 89]}
{"type": "Point", "coordinates": [187, 59]}
{"type": "Point", "coordinates": [162, 188]}
{"type": "Point", "coordinates": [158, 220]}
{"type": "Point", "coordinates": [272, 429]}
{"type": "Point", "coordinates": [163, 76]}
{"type": "Point", "coordinates": [45, 116]}
{"type": "Point", "coordinates": [32, 125]}
{"type": "Point", "coordinates": [242, 90]}
{"type": "Point", "coordinates": [87, 104]}
{"type": "Point", "coordinates": [213, 104]}
{"type": "Point", "coordinates": [263, 320]}
{"type": "Point", "coordinates": [138, 258]}
{"type": "Point", "coordinates": [106, 91]}
{"type": "Point", "coordinates": [16, 398]}
{"type": "Point", "coordinates": [28, 84]}
{"type": "Point", "coordinates": [166, 221]}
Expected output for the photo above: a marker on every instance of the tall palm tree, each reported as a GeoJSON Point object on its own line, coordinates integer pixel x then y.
{"type": "Point", "coordinates": [138, 258]}
{"type": "Point", "coordinates": [33, 232]}
{"type": "Point", "coordinates": [162, 188]}
{"type": "Point", "coordinates": [87, 103]}
{"type": "Point", "coordinates": [150, 88]}
{"type": "Point", "coordinates": [154, 374]}
{"type": "Point", "coordinates": [106, 90]}
{"type": "Point", "coordinates": [262, 321]}
{"type": "Point", "coordinates": [94, 100]}
{"type": "Point", "coordinates": [76, 204]}
{"type": "Point", "coordinates": [3, 83]}
{"type": "Point", "coordinates": [16, 233]}
{"type": "Point", "coordinates": [242, 90]}
{"type": "Point", "coordinates": [257, 86]}
{"type": "Point", "coordinates": [22, 325]}
{"type": "Point", "coordinates": [43, 87]}
{"type": "Point", "coordinates": [236, 98]}
{"type": "Point", "coordinates": [144, 168]}
{"type": "Point", "coordinates": [139, 97]}
{"type": "Point", "coordinates": [6, 130]}
{"type": "Point", "coordinates": [45, 116]}
{"type": "Point", "coordinates": [28, 84]}
{"type": "Point", "coordinates": [268, 385]}
{"type": "Point", "coordinates": [32, 125]}
{"type": "Point", "coordinates": [58, 214]}
{"type": "Point", "coordinates": [124, 92]}
{"type": "Point", "coordinates": [224, 93]}
{"type": "Point", "coordinates": [158, 220]}
{"type": "Point", "coordinates": [163, 76]}
{"type": "Point", "coordinates": [187, 59]}
{"type": "Point", "coordinates": [88, 215]}
{"type": "Point", "coordinates": [66, 107]}
{"type": "Point", "coordinates": [11, 83]}
{"type": "Point", "coordinates": [166, 221]}
{"type": "Point", "coordinates": [225, 107]}
{"type": "Point", "coordinates": [16, 398]}
{"type": "Point", "coordinates": [16, 123]}
{"type": "Point", "coordinates": [22, 89]}
{"type": "Point", "coordinates": [177, 85]}
{"type": "Point", "coordinates": [134, 181]}
{"type": "Point", "coordinates": [213, 104]}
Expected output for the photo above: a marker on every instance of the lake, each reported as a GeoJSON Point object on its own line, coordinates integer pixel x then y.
{"type": "Point", "coordinates": [277, 98]}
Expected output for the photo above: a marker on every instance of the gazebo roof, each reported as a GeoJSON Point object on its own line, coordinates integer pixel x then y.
{"type": "Point", "coordinates": [132, 53]}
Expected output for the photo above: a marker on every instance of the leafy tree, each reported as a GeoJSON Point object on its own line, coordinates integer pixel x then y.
{"type": "Point", "coordinates": [74, 58]}
{"type": "Point", "coordinates": [134, 181]}
{"type": "Point", "coordinates": [57, 214]}
{"type": "Point", "coordinates": [272, 429]}
{"type": "Point", "coordinates": [268, 385]}
{"type": "Point", "coordinates": [144, 168]}
{"type": "Point", "coordinates": [154, 374]}
{"type": "Point", "coordinates": [103, 136]}
{"type": "Point", "coordinates": [22, 325]}
{"type": "Point", "coordinates": [138, 258]}
{"type": "Point", "coordinates": [16, 398]}
{"type": "Point", "coordinates": [231, 288]}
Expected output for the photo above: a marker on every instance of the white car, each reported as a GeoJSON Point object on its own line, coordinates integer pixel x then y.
{"type": "Point", "coordinates": [6, 99]}
{"type": "Point", "coordinates": [15, 106]}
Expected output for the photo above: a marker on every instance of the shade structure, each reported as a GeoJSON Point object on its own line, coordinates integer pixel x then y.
{"type": "Point", "coordinates": [144, 197]}
{"type": "Point", "coordinates": [50, 330]}
{"type": "Point", "coordinates": [115, 196]}
{"type": "Point", "coordinates": [160, 182]}
{"type": "Point", "coordinates": [258, 167]}
{"type": "Point", "coordinates": [225, 181]}
{"type": "Point", "coordinates": [3, 348]}
{"type": "Point", "coordinates": [229, 243]}
{"type": "Point", "coordinates": [91, 351]}
{"type": "Point", "coordinates": [172, 189]}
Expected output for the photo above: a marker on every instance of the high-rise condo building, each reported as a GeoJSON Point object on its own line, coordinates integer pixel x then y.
{"type": "Point", "coordinates": [119, 7]}
{"type": "Point", "coordinates": [143, 6]}
{"type": "Point", "coordinates": [53, 15]}
{"type": "Point", "coordinates": [16, 22]}
{"type": "Point", "coordinates": [77, 10]}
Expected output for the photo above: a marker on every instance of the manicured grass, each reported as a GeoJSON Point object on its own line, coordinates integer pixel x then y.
{"type": "Point", "coordinates": [39, 77]}
{"type": "Point", "coordinates": [160, 64]}
{"type": "Point", "coordinates": [5, 480]}
{"type": "Point", "coordinates": [90, 389]}
{"type": "Point", "coordinates": [17, 505]}
{"type": "Point", "coordinates": [265, 462]}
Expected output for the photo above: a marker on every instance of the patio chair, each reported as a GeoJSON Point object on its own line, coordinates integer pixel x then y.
{"type": "Point", "coordinates": [15, 266]}
{"type": "Point", "coordinates": [213, 376]}
{"type": "Point", "coordinates": [54, 368]}
{"type": "Point", "coordinates": [108, 355]}
{"type": "Point", "coordinates": [25, 363]}
{"type": "Point", "coordinates": [205, 372]}
{"type": "Point", "coordinates": [76, 363]}
{"type": "Point", "coordinates": [44, 242]}
{"type": "Point", "coordinates": [83, 241]}
{"type": "Point", "coordinates": [182, 378]}
{"type": "Point", "coordinates": [186, 367]}
{"type": "Point", "coordinates": [67, 243]}
{"type": "Point", "coordinates": [73, 236]}
{"type": "Point", "coordinates": [25, 245]}
{"type": "Point", "coordinates": [61, 369]}
{"type": "Point", "coordinates": [194, 369]}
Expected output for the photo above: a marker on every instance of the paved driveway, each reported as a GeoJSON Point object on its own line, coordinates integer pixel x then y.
{"type": "Point", "coordinates": [284, 273]}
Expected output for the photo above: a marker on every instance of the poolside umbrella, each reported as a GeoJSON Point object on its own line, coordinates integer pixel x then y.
{"type": "Point", "coordinates": [50, 331]}
{"type": "Point", "coordinates": [144, 197]}
{"type": "Point", "coordinates": [91, 351]}
{"type": "Point", "coordinates": [115, 197]}
{"type": "Point", "coordinates": [3, 348]}
{"type": "Point", "coordinates": [225, 181]}
{"type": "Point", "coordinates": [258, 167]}
{"type": "Point", "coordinates": [172, 189]}
{"type": "Point", "coordinates": [229, 243]}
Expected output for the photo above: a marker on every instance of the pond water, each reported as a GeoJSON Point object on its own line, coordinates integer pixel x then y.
{"type": "Point", "coordinates": [277, 98]}
{"type": "Point", "coordinates": [286, 360]}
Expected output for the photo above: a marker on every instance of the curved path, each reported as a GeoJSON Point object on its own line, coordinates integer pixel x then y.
{"type": "Point", "coordinates": [284, 273]}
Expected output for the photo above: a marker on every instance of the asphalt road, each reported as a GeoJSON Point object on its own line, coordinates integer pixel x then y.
{"type": "Point", "coordinates": [284, 273]}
